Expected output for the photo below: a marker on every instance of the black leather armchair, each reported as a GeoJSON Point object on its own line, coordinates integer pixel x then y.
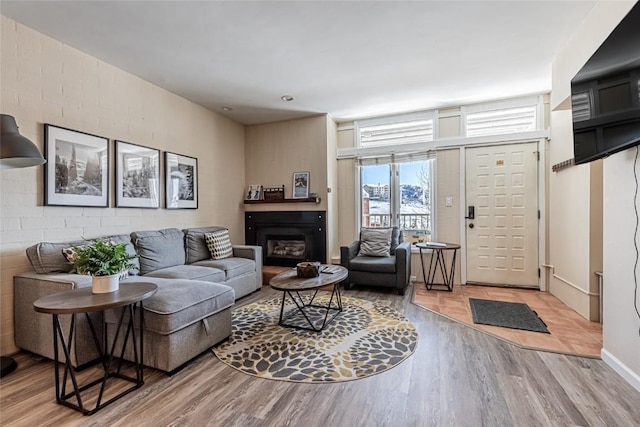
{"type": "Point", "coordinates": [391, 271]}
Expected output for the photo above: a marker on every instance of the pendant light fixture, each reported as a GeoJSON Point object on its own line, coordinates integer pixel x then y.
{"type": "Point", "coordinates": [16, 151]}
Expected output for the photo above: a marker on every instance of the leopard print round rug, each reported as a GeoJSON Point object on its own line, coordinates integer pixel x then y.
{"type": "Point", "coordinates": [365, 339]}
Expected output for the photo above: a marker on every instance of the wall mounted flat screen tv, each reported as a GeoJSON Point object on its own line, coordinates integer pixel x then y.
{"type": "Point", "coordinates": [605, 95]}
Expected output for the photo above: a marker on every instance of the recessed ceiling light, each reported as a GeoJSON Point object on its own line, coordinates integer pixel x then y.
{"type": "Point", "coordinates": [287, 98]}
{"type": "Point", "coordinates": [227, 109]}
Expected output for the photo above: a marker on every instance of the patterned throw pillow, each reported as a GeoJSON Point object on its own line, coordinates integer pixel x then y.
{"type": "Point", "coordinates": [219, 244]}
{"type": "Point", "coordinates": [375, 241]}
{"type": "Point", "coordinates": [69, 254]}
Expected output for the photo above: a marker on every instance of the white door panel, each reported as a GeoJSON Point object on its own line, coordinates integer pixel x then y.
{"type": "Point", "coordinates": [502, 240]}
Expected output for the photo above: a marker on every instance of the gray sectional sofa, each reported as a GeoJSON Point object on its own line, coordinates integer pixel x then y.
{"type": "Point", "coordinates": [190, 312]}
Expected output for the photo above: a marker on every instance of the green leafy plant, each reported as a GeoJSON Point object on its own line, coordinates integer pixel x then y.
{"type": "Point", "coordinates": [103, 258]}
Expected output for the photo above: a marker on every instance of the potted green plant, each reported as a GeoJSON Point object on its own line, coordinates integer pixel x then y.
{"type": "Point", "coordinates": [106, 261]}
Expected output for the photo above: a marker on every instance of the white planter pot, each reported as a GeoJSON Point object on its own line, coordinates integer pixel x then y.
{"type": "Point", "coordinates": [105, 284]}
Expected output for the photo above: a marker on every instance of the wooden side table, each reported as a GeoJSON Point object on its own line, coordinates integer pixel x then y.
{"type": "Point", "coordinates": [437, 260]}
{"type": "Point", "coordinates": [129, 298]}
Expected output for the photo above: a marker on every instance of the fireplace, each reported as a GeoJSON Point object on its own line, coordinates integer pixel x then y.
{"type": "Point", "coordinates": [288, 237]}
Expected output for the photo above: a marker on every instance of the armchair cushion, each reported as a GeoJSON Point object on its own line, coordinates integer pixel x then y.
{"type": "Point", "coordinates": [375, 242]}
{"type": "Point", "coordinates": [374, 264]}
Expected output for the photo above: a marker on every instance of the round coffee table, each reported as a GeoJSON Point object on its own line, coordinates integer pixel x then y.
{"type": "Point", "coordinates": [292, 287]}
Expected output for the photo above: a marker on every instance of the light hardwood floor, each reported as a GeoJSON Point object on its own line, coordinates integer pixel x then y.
{"type": "Point", "coordinates": [458, 376]}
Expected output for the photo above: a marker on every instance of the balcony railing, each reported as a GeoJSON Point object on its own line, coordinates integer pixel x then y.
{"type": "Point", "coordinates": [406, 222]}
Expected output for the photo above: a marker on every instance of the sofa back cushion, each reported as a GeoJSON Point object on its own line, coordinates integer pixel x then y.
{"type": "Point", "coordinates": [195, 245]}
{"type": "Point", "coordinates": [159, 249]}
{"type": "Point", "coordinates": [46, 258]}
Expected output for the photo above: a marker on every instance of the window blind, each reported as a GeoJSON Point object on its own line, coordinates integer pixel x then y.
{"type": "Point", "coordinates": [502, 121]}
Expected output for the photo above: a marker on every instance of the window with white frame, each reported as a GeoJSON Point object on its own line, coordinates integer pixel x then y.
{"type": "Point", "coordinates": [398, 192]}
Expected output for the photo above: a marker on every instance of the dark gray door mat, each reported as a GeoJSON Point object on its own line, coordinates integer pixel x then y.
{"type": "Point", "coordinates": [512, 315]}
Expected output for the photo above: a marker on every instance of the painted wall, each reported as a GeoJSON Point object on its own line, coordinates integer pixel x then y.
{"type": "Point", "coordinates": [44, 81]}
{"type": "Point", "coordinates": [274, 151]}
{"type": "Point", "coordinates": [572, 209]}
{"type": "Point", "coordinates": [621, 328]}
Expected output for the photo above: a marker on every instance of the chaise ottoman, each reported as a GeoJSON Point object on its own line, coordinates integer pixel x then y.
{"type": "Point", "coordinates": [183, 319]}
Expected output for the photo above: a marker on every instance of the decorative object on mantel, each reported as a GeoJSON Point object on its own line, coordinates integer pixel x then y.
{"type": "Point", "coordinates": [300, 185]}
{"type": "Point", "coordinates": [104, 260]}
{"type": "Point", "coordinates": [16, 151]}
{"type": "Point", "coordinates": [563, 165]}
{"type": "Point", "coordinates": [254, 192]}
{"type": "Point", "coordinates": [366, 339]}
{"type": "Point", "coordinates": [137, 176]}
{"type": "Point", "coordinates": [77, 170]}
{"type": "Point", "coordinates": [181, 181]}
{"type": "Point", "coordinates": [274, 193]}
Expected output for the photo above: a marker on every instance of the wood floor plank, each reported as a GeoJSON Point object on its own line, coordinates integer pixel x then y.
{"type": "Point", "coordinates": [458, 376]}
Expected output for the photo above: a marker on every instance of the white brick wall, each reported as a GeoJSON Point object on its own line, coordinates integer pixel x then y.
{"type": "Point", "coordinates": [45, 81]}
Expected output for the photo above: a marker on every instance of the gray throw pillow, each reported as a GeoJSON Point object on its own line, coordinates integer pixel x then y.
{"type": "Point", "coordinates": [375, 241]}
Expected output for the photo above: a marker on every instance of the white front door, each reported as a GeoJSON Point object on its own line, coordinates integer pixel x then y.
{"type": "Point", "coordinates": [502, 238]}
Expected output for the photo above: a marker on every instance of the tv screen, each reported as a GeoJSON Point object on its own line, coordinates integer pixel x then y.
{"type": "Point", "coordinates": [605, 94]}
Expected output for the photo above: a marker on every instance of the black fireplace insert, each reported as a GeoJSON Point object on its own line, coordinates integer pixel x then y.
{"type": "Point", "coordinates": [287, 237]}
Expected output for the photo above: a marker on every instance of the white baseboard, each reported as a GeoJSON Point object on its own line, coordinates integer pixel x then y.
{"type": "Point", "coordinates": [622, 369]}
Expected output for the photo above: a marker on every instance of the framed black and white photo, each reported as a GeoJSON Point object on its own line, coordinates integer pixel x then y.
{"type": "Point", "coordinates": [254, 192]}
{"type": "Point", "coordinates": [300, 185]}
{"type": "Point", "coordinates": [181, 181]}
{"type": "Point", "coordinates": [77, 168]}
{"type": "Point", "coordinates": [137, 176]}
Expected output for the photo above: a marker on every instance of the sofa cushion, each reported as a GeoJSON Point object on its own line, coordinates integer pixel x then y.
{"type": "Point", "coordinates": [232, 267]}
{"type": "Point", "coordinates": [195, 245]}
{"type": "Point", "coordinates": [219, 244]}
{"type": "Point", "coordinates": [191, 272]}
{"type": "Point", "coordinates": [47, 257]}
{"type": "Point", "coordinates": [179, 303]}
{"type": "Point", "coordinates": [374, 264]}
{"type": "Point", "coordinates": [375, 242]}
{"type": "Point", "coordinates": [159, 249]}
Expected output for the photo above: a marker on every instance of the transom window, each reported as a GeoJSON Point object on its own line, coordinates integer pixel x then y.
{"type": "Point", "coordinates": [502, 121]}
{"type": "Point", "coordinates": [398, 129]}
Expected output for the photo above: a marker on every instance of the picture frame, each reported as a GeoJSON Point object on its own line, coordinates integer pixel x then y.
{"type": "Point", "coordinates": [300, 185]}
{"type": "Point", "coordinates": [77, 168]}
{"type": "Point", "coordinates": [181, 181]}
{"type": "Point", "coordinates": [137, 176]}
{"type": "Point", "coordinates": [254, 192]}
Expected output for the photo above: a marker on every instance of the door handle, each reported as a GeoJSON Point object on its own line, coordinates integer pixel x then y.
{"type": "Point", "coordinates": [471, 212]}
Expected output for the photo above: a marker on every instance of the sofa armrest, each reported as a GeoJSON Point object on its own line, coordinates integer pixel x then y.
{"type": "Point", "coordinates": [254, 253]}
{"type": "Point", "coordinates": [403, 264]}
{"type": "Point", "coordinates": [349, 252]}
{"type": "Point", "coordinates": [33, 330]}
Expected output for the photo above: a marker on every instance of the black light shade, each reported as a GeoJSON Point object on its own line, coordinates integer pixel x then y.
{"type": "Point", "coordinates": [16, 151]}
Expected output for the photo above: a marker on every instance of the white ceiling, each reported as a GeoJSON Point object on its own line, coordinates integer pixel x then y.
{"type": "Point", "coordinates": [349, 59]}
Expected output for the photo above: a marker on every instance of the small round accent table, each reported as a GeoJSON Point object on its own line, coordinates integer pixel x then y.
{"type": "Point", "coordinates": [437, 260]}
{"type": "Point", "coordinates": [291, 285]}
{"type": "Point", "coordinates": [129, 298]}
